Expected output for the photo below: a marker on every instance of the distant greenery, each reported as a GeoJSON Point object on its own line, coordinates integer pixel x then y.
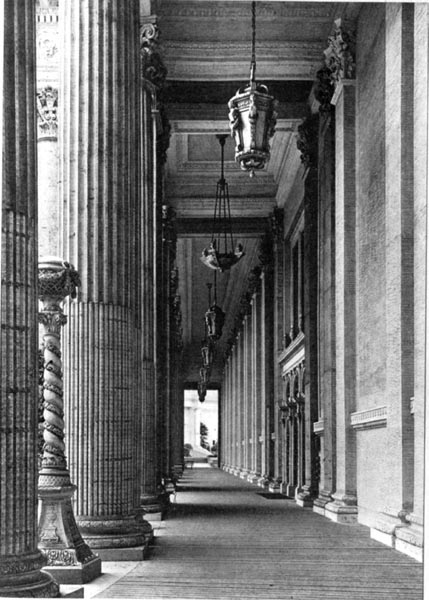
{"type": "Point", "coordinates": [203, 436]}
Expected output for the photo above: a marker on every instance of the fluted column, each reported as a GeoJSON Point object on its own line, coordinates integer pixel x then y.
{"type": "Point", "coordinates": [20, 559]}
{"type": "Point", "coordinates": [48, 71]}
{"type": "Point", "coordinates": [100, 191]}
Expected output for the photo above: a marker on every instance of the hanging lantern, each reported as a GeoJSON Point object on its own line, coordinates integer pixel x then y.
{"type": "Point", "coordinates": [202, 391]}
{"type": "Point", "coordinates": [207, 353]}
{"type": "Point", "coordinates": [252, 118]}
{"type": "Point", "coordinates": [214, 317]}
{"type": "Point", "coordinates": [221, 255]}
{"type": "Point", "coordinates": [204, 375]}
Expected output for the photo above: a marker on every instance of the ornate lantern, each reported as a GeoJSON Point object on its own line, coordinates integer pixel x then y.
{"type": "Point", "coordinates": [202, 391]}
{"type": "Point", "coordinates": [252, 118]}
{"type": "Point", "coordinates": [207, 353]}
{"type": "Point", "coordinates": [214, 317]}
{"type": "Point", "coordinates": [221, 254]}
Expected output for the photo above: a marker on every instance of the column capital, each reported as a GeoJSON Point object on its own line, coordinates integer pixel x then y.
{"type": "Point", "coordinates": [47, 118]}
{"type": "Point", "coordinates": [307, 141]}
{"type": "Point", "coordinates": [340, 53]}
{"type": "Point", "coordinates": [153, 68]}
{"type": "Point", "coordinates": [57, 280]}
{"type": "Point", "coordinates": [324, 89]}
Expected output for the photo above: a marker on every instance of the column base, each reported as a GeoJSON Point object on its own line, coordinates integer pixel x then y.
{"type": "Point", "coordinates": [130, 554]}
{"type": "Point", "coordinates": [69, 558]}
{"type": "Point", "coordinates": [342, 509]}
{"type": "Point", "coordinates": [244, 473]}
{"type": "Point", "coordinates": [409, 540]}
{"type": "Point", "coordinates": [288, 489]}
{"type": "Point", "coordinates": [152, 507]}
{"type": "Point", "coordinates": [321, 501]}
{"type": "Point", "coordinates": [75, 574]}
{"type": "Point", "coordinates": [23, 577]}
{"type": "Point", "coordinates": [253, 477]}
{"type": "Point", "coordinates": [274, 486]}
{"type": "Point", "coordinates": [112, 532]}
{"type": "Point", "coordinates": [304, 499]}
{"type": "Point", "coordinates": [263, 482]}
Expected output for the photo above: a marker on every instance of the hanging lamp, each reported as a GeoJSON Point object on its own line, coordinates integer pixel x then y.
{"type": "Point", "coordinates": [207, 344]}
{"type": "Point", "coordinates": [252, 118]}
{"type": "Point", "coordinates": [214, 317]}
{"type": "Point", "coordinates": [221, 255]}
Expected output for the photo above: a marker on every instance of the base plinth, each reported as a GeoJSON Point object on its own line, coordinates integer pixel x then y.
{"type": "Point", "coordinates": [76, 574]}
{"type": "Point", "coordinates": [60, 541]}
{"type": "Point", "coordinates": [341, 513]}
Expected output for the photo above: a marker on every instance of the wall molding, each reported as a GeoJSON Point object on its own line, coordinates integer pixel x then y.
{"type": "Point", "coordinates": [370, 418]}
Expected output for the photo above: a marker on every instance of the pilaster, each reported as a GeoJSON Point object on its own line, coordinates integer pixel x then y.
{"type": "Point", "coordinates": [343, 507]}
{"type": "Point", "coordinates": [20, 560]}
{"type": "Point", "coordinates": [399, 286]}
{"type": "Point", "coordinates": [324, 427]}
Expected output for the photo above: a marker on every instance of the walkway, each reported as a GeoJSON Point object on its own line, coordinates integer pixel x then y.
{"type": "Point", "coordinates": [223, 540]}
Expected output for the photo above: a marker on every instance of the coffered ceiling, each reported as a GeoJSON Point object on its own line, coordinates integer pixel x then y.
{"type": "Point", "coordinates": [206, 47]}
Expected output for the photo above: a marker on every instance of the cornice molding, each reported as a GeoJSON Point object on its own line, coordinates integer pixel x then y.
{"type": "Point", "coordinates": [265, 10]}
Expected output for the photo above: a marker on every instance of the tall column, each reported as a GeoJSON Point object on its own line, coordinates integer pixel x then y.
{"type": "Point", "coordinates": [343, 508]}
{"type": "Point", "coordinates": [69, 558]}
{"type": "Point", "coordinates": [307, 317]}
{"type": "Point", "coordinates": [149, 460]}
{"type": "Point", "coordinates": [20, 559]}
{"type": "Point", "coordinates": [324, 426]}
{"type": "Point", "coordinates": [278, 343]}
{"type": "Point", "coordinates": [100, 192]}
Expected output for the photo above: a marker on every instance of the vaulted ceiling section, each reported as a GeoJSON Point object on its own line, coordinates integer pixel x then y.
{"type": "Point", "coordinates": [207, 50]}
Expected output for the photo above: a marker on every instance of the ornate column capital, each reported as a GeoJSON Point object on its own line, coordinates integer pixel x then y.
{"type": "Point", "coordinates": [47, 119]}
{"type": "Point", "coordinates": [153, 69]}
{"type": "Point", "coordinates": [57, 280]}
{"type": "Point", "coordinates": [307, 141]}
{"type": "Point", "coordinates": [265, 254]}
{"type": "Point", "coordinates": [340, 53]}
{"type": "Point", "coordinates": [324, 89]}
{"type": "Point", "coordinates": [277, 225]}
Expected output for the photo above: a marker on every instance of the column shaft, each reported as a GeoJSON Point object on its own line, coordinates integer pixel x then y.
{"type": "Point", "coordinates": [99, 106]}
{"type": "Point", "coordinates": [20, 559]}
{"type": "Point", "coordinates": [344, 506]}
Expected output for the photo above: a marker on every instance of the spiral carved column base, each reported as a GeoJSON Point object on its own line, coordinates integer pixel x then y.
{"type": "Point", "coordinates": [70, 560]}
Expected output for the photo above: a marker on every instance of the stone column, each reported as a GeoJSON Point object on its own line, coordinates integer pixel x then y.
{"type": "Point", "coordinates": [149, 460]}
{"type": "Point", "coordinates": [100, 193]}
{"type": "Point", "coordinates": [343, 508]}
{"type": "Point", "coordinates": [324, 426]}
{"type": "Point", "coordinates": [20, 559]}
{"type": "Point", "coordinates": [278, 342]}
{"type": "Point", "coordinates": [69, 558]}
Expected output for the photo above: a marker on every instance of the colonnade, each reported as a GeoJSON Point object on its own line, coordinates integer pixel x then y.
{"type": "Point", "coordinates": [103, 136]}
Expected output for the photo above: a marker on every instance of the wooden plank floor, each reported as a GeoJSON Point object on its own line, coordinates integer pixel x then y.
{"type": "Point", "coordinates": [224, 541]}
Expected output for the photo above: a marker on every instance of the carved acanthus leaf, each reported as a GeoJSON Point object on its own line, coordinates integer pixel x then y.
{"type": "Point", "coordinates": [340, 54]}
